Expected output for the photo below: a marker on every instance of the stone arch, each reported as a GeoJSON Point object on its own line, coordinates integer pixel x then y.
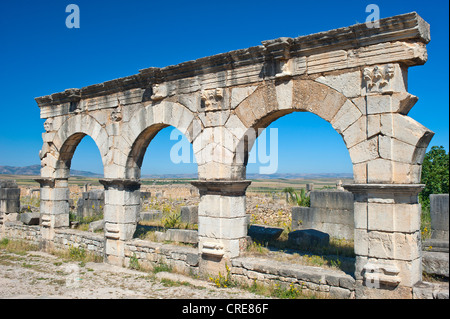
{"type": "Point", "coordinates": [276, 99]}
{"type": "Point", "coordinates": [388, 141]}
{"type": "Point", "coordinates": [57, 153]}
{"type": "Point", "coordinates": [146, 124]}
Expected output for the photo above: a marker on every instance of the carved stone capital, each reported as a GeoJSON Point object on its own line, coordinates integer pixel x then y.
{"type": "Point", "coordinates": [121, 183]}
{"type": "Point", "coordinates": [222, 187]}
{"type": "Point", "coordinates": [409, 189]}
{"type": "Point", "coordinates": [46, 181]}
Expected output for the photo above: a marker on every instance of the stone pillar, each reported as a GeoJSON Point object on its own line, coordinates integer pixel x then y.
{"type": "Point", "coordinates": [121, 213]}
{"type": "Point", "coordinates": [387, 239]}
{"type": "Point", "coordinates": [9, 201]}
{"type": "Point", "coordinates": [439, 216]}
{"type": "Point", "coordinates": [54, 206]}
{"type": "Point", "coordinates": [222, 226]}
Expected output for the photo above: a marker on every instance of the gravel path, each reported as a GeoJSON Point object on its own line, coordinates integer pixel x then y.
{"type": "Point", "coordinates": [41, 275]}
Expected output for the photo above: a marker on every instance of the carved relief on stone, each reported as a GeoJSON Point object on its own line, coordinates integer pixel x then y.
{"type": "Point", "coordinates": [212, 99]}
{"type": "Point", "coordinates": [378, 79]}
{"type": "Point", "coordinates": [285, 68]}
{"type": "Point", "coordinates": [116, 115]}
{"type": "Point", "coordinates": [160, 91]}
{"type": "Point", "coordinates": [48, 125]}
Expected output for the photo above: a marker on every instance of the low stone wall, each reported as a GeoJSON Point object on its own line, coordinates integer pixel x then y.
{"type": "Point", "coordinates": [149, 254]}
{"type": "Point", "coordinates": [330, 212]}
{"type": "Point", "coordinates": [90, 242]}
{"type": "Point", "coordinates": [328, 283]}
{"type": "Point", "coordinates": [18, 231]}
{"type": "Point", "coordinates": [325, 282]}
{"type": "Point", "coordinates": [170, 191]}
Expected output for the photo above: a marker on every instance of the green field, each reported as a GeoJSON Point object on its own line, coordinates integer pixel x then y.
{"type": "Point", "coordinates": [257, 186]}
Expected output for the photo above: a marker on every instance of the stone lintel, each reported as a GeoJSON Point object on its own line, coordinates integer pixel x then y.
{"type": "Point", "coordinates": [122, 183]}
{"type": "Point", "coordinates": [394, 189]}
{"type": "Point", "coordinates": [222, 187]}
{"type": "Point", "coordinates": [409, 27]}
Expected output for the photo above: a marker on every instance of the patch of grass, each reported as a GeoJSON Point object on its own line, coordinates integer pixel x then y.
{"type": "Point", "coordinates": [257, 248]}
{"type": "Point", "coordinates": [18, 247]}
{"type": "Point", "coordinates": [160, 267]}
{"type": "Point", "coordinates": [83, 222]}
{"type": "Point", "coordinates": [333, 256]}
{"type": "Point", "coordinates": [281, 291]}
{"type": "Point", "coordinates": [134, 262]}
{"type": "Point", "coordinates": [172, 283]}
{"type": "Point", "coordinates": [77, 254]}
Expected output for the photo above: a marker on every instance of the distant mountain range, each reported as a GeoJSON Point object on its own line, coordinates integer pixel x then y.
{"type": "Point", "coordinates": [36, 170]}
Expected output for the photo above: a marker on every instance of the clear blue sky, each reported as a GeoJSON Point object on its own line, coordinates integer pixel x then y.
{"type": "Point", "coordinates": [40, 56]}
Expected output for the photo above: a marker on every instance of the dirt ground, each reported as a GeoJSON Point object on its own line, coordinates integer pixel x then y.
{"type": "Point", "coordinates": [38, 275]}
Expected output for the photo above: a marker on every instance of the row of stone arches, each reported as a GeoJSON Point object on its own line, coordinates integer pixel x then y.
{"type": "Point", "coordinates": [357, 82]}
{"type": "Point", "coordinates": [385, 146]}
{"type": "Point", "coordinates": [371, 138]}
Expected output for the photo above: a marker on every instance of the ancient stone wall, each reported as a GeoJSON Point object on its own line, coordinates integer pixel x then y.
{"type": "Point", "coordinates": [330, 212]}
{"type": "Point", "coordinates": [439, 216]}
{"type": "Point", "coordinates": [91, 203]}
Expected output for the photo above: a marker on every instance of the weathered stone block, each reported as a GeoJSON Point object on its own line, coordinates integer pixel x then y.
{"type": "Point", "coordinates": [222, 206]}
{"type": "Point", "coordinates": [330, 212]}
{"type": "Point", "coordinates": [189, 214]}
{"type": "Point", "coordinates": [439, 211]}
{"type": "Point", "coordinates": [346, 116]}
{"type": "Point", "coordinates": [262, 233]}
{"type": "Point", "coordinates": [435, 263]}
{"type": "Point", "coordinates": [394, 217]}
{"type": "Point", "coordinates": [226, 228]}
{"type": "Point", "coordinates": [54, 207]}
{"type": "Point", "coordinates": [150, 215]}
{"type": "Point", "coordinates": [308, 237]}
{"type": "Point", "coordinates": [9, 193]}
{"type": "Point", "coordinates": [182, 235]}
{"type": "Point", "coordinates": [365, 151]}
{"type": "Point", "coordinates": [55, 194]}
{"type": "Point", "coordinates": [30, 218]}
{"type": "Point", "coordinates": [398, 246]}
{"type": "Point", "coordinates": [121, 214]}
{"type": "Point", "coordinates": [97, 225]}
{"type": "Point", "coordinates": [122, 197]}
{"type": "Point", "coordinates": [332, 200]}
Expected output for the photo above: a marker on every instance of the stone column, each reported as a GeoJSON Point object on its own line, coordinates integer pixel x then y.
{"type": "Point", "coordinates": [222, 226]}
{"type": "Point", "coordinates": [54, 206]}
{"type": "Point", "coordinates": [121, 213]}
{"type": "Point", "coordinates": [9, 201]}
{"type": "Point", "coordinates": [387, 239]}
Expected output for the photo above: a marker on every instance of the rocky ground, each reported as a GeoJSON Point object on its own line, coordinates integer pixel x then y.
{"type": "Point", "coordinates": [36, 274]}
{"type": "Point", "coordinates": [263, 209]}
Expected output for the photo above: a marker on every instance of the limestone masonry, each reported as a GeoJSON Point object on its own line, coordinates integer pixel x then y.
{"type": "Point", "coordinates": [355, 78]}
